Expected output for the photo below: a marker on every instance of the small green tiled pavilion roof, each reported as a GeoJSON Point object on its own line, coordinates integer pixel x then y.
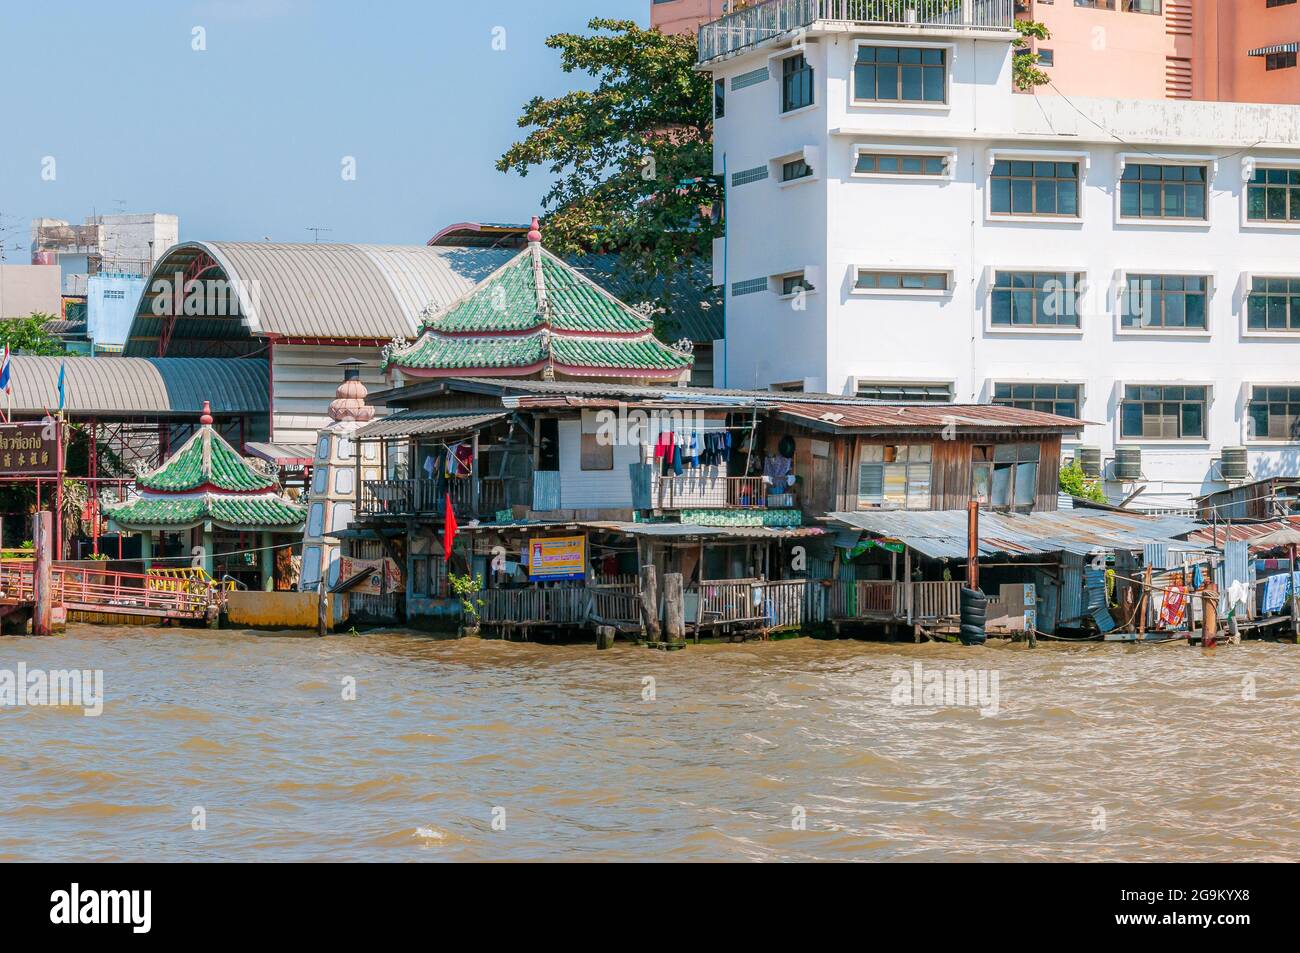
{"type": "Point", "coordinates": [207, 481]}
{"type": "Point", "coordinates": [206, 460]}
{"type": "Point", "coordinates": [258, 511]}
{"type": "Point", "coordinates": [537, 313]}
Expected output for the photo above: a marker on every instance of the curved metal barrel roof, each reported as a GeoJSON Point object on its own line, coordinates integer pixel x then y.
{"type": "Point", "coordinates": [366, 292]}
{"type": "Point", "coordinates": [158, 386]}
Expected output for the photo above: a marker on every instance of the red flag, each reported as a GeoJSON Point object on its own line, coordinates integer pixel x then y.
{"type": "Point", "coordinates": [449, 530]}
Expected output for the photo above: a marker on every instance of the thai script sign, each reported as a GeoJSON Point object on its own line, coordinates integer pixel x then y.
{"type": "Point", "coordinates": [560, 557]}
{"type": "Point", "coordinates": [29, 449]}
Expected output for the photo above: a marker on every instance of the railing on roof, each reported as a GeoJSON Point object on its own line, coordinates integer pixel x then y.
{"type": "Point", "coordinates": [752, 25]}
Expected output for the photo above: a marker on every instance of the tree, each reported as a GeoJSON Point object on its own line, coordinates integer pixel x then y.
{"type": "Point", "coordinates": [1074, 483]}
{"type": "Point", "coordinates": [633, 157]}
{"type": "Point", "coordinates": [29, 336]}
{"type": "Point", "coordinates": [1024, 61]}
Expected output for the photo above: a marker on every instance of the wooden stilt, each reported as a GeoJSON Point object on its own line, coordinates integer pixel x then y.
{"type": "Point", "coordinates": [42, 587]}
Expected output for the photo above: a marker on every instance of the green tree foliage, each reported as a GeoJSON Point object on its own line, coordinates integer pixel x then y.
{"type": "Point", "coordinates": [1025, 72]}
{"type": "Point", "coordinates": [29, 335]}
{"type": "Point", "coordinates": [632, 158]}
{"type": "Point", "coordinates": [1075, 483]}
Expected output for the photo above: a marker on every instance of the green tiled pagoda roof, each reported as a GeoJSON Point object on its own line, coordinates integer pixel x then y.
{"type": "Point", "coordinates": [259, 511]}
{"type": "Point", "coordinates": [507, 301]}
{"type": "Point", "coordinates": [206, 460]}
{"type": "Point", "coordinates": [504, 322]}
{"type": "Point", "coordinates": [646, 352]}
{"type": "Point", "coordinates": [436, 351]}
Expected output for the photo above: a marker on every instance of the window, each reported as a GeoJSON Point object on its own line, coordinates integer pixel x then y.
{"type": "Point", "coordinates": [871, 163]}
{"type": "Point", "coordinates": [1029, 187]}
{"type": "Point", "coordinates": [1279, 3]}
{"type": "Point", "coordinates": [1273, 304]}
{"type": "Point", "coordinates": [796, 83]}
{"type": "Point", "coordinates": [901, 74]}
{"type": "Point", "coordinates": [748, 287]}
{"type": "Point", "coordinates": [719, 98]}
{"type": "Point", "coordinates": [1096, 4]}
{"type": "Point", "coordinates": [894, 477]}
{"type": "Point", "coordinates": [1163, 191]}
{"type": "Point", "coordinates": [931, 393]}
{"type": "Point", "coordinates": [1036, 299]}
{"type": "Point", "coordinates": [597, 447]}
{"type": "Point", "coordinates": [1005, 476]}
{"type": "Point", "coordinates": [901, 280]}
{"type": "Point", "coordinates": [1147, 6]}
{"type": "Point", "coordinates": [1165, 301]}
{"type": "Point", "coordinates": [1061, 399]}
{"type": "Point", "coordinates": [1274, 412]}
{"type": "Point", "coordinates": [795, 169]}
{"type": "Point", "coordinates": [116, 294]}
{"type": "Point", "coordinates": [1276, 61]}
{"type": "Point", "coordinates": [1163, 412]}
{"type": "Point", "coordinates": [1274, 196]}
{"type": "Point", "coordinates": [1046, 57]}
{"type": "Point", "coordinates": [793, 284]}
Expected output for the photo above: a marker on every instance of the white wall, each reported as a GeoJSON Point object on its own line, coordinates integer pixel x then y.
{"type": "Point", "coordinates": [839, 221]}
{"type": "Point", "coordinates": [305, 378]}
{"type": "Point", "coordinates": [593, 489]}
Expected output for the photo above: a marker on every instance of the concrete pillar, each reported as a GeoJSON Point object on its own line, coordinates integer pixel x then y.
{"type": "Point", "coordinates": [266, 559]}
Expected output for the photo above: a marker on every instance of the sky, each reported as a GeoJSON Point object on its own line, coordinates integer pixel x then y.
{"type": "Point", "coordinates": [248, 138]}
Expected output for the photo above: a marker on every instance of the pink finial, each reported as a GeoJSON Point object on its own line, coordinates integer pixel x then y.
{"type": "Point", "coordinates": [206, 419]}
{"type": "Point", "coordinates": [535, 231]}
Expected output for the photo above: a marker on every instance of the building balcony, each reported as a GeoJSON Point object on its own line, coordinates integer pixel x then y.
{"type": "Point", "coordinates": [692, 491]}
{"type": "Point", "coordinates": [470, 498]}
{"type": "Point", "coordinates": [773, 18]}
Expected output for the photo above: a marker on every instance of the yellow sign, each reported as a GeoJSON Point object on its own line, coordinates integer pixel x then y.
{"type": "Point", "coordinates": [560, 557]}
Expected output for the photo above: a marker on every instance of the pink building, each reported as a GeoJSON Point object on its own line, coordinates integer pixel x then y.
{"type": "Point", "coordinates": [1230, 50]}
{"type": "Point", "coordinates": [685, 16]}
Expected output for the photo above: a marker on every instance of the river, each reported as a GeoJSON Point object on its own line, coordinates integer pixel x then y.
{"type": "Point", "coordinates": [789, 750]}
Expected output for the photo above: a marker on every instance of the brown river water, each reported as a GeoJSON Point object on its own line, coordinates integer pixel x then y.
{"type": "Point", "coordinates": [790, 750]}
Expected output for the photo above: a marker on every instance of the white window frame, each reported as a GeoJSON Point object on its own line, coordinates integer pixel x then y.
{"type": "Point", "coordinates": [1248, 390]}
{"type": "Point", "coordinates": [894, 149]}
{"type": "Point", "coordinates": [1072, 381]}
{"type": "Point", "coordinates": [1081, 274]}
{"type": "Point", "coordinates": [1084, 159]}
{"type": "Point", "coordinates": [1249, 164]}
{"type": "Point", "coordinates": [950, 57]}
{"type": "Point", "coordinates": [1209, 163]}
{"type": "Point", "coordinates": [1121, 286]}
{"type": "Point", "coordinates": [809, 274]}
{"type": "Point", "coordinates": [1204, 441]}
{"type": "Point", "coordinates": [1243, 304]}
{"type": "Point", "coordinates": [949, 273]}
{"type": "Point", "coordinates": [775, 73]}
{"type": "Point", "coordinates": [951, 384]}
{"type": "Point", "coordinates": [809, 154]}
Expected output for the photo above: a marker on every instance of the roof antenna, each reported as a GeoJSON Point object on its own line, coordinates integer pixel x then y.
{"type": "Point", "coordinates": [316, 230]}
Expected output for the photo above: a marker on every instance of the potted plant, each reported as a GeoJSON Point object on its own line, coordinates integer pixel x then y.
{"type": "Point", "coordinates": [466, 588]}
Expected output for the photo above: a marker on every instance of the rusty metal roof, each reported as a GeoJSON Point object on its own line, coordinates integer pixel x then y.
{"type": "Point", "coordinates": [927, 417]}
{"type": "Point", "coordinates": [1216, 535]}
{"type": "Point", "coordinates": [941, 534]}
{"type": "Point", "coordinates": [412, 422]}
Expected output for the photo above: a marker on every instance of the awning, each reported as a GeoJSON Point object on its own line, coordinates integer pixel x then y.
{"type": "Point", "coordinates": [281, 454]}
{"type": "Point", "coordinates": [697, 531]}
{"type": "Point", "coordinates": [409, 423]}
{"type": "Point", "coordinates": [941, 534]}
{"type": "Point", "coordinates": [1293, 47]}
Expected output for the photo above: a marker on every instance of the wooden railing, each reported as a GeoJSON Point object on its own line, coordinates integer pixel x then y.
{"type": "Point", "coordinates": [871, 599]}
{"type": "Point", "coordinates": [699, 489]}
{"type": "Point", "coordinates": [414, 497]}
{"type": "Point", "coordinates": [782, 604]}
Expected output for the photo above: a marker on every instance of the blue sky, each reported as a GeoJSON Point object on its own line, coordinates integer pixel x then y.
{"type": "Point", "coordinates": [246, 139]}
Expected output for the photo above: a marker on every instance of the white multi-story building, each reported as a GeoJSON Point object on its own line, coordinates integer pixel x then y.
{"type": "Point", "coordinates": [901, 222]}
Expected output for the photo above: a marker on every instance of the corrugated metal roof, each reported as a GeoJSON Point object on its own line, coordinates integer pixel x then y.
{"type": "Point", "coordinates": [411, 422]}
{"type": "Point", "coordinates": [1217, 535]}
{"type": "Point", "coordinates": [673, 530]}
{"type": "Point", "coordinates": [963, 417]}
{"type": "Point", "coordinates": [139, 385]}
{"type": "Point", "coordinates": [371, 292]}
{"type": "Point", "coordinates": [941, 534]}
{"type": "Point", "coordinates": [281, 454]}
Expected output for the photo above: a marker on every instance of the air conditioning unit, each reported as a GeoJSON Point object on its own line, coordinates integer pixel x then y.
{"type": "Point", "coordinates": [1089, 460]}
{"type": "Point", "coordinates": [1128, 463]}
{"type": "Point", "coordinates": [1234, 464]}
